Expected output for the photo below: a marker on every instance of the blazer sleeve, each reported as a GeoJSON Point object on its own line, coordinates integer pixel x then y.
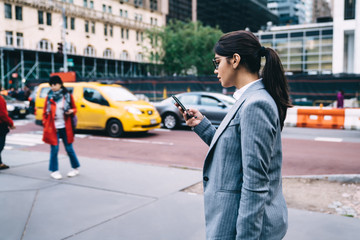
{"type": "Point", "coordinates": [259, 125]}
{"type": "Point", "coordinates": [205, 130]}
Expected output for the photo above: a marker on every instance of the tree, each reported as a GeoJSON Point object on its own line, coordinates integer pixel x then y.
{"type": "Point", "coordinates": [184, 48]}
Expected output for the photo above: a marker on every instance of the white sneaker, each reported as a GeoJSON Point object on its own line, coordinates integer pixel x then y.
{"type": "Point", "coordinates": [56, 175]}
{"type": "Point", "coordinates": [73, 173]}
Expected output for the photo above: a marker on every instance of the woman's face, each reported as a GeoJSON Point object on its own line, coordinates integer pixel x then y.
{"type": "Point", "coordinates": [224, 71]}
{"type": "Point", "coordinates": [55, 87]}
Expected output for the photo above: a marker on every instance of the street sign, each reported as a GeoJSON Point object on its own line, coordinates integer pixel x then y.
{"type": "Point", "coordinates": [70, 62]}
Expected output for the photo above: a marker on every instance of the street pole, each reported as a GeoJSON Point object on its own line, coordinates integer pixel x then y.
{"type": "Point", "coordinates": [2, 68]}
{"type": "Point", "coordinates": [64, 40]}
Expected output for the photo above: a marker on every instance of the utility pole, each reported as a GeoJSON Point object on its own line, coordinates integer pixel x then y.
{"type": "Point", "coordinates": [2, 67]}
{"type": "Point", "coordinates": [63, 34]}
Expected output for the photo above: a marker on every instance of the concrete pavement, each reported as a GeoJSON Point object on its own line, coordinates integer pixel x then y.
{"type": "Point", "coordinates": [121, 200]}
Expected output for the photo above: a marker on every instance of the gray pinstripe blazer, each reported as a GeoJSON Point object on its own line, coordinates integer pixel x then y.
{"type": "Point", "coordinates": [242, 171]}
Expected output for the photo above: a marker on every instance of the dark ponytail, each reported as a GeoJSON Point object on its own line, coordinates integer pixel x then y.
{"type": "Point", "coordinates": [250, 50]}
{"type": "Point", "coordinates": [276, 83]}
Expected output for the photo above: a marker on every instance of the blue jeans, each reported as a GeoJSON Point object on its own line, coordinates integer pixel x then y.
{"type": "Point", "coordinates": [54, 166]}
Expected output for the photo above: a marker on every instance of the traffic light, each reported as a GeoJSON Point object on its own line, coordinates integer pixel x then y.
{"type": "Point", "coordinates": [60, 48]}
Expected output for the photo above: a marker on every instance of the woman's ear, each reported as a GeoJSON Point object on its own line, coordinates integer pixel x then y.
{"type": "Point", "coordinates": [236, 60]}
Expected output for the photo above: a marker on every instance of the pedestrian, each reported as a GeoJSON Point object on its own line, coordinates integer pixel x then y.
{"type": "Point", "coordinates": [59, 109]}
{"type": "Point", "coordinates": [6, 123]}
{"type": "Point", "coordinates": [242, 170]}
{"type": "Point", "coordinates": [340, 99]}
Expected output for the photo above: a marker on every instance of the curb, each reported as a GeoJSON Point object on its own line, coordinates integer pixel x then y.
{"type": "Point", "coordinates": [342, 178]}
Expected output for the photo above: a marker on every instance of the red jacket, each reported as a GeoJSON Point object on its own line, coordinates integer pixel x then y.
{"type": "Point", "coordinates": [4, 116]}
{"type": "Point", "coordinates": [48, 120]}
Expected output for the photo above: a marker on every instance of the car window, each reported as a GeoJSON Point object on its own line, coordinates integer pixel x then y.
{"type": "Point", "coordinates": [7, 98]}
{"type": "Point", "coordinates": [94, 96]}
{"type": "Point", "coordinates": [44, 91]}
{"type": "Point", "coordinates": [209, 101]}
{"type": "Point", "coordinates": [118, 93]}
{"type": "Point", "coordinates": [189, 99]}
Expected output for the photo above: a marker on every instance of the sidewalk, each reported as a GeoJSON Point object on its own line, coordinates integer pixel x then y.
{"type": "Point", "coordinates": [119, 200]}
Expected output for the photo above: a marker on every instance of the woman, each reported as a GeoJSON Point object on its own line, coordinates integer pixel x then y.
{"type": "Point", "coordinates": [59, 110]}
{"type": "Point", "coordinates": [242, 170]}
{"type": "Point", "coordinates": [6, 123]}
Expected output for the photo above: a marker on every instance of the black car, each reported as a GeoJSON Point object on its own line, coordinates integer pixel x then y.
{"type": "Point", "coordinates": [213, 105]}
{"type": "Point", "coordinates": [16, 108]}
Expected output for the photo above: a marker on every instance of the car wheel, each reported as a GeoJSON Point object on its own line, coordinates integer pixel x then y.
{"type": "Point", "coordinates": [170, 121]}
{"type": "Point", "coordinates": [114, 128]}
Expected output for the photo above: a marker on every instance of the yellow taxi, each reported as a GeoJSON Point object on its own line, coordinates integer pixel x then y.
{"type": "Point", "coordinates": [108, 107]}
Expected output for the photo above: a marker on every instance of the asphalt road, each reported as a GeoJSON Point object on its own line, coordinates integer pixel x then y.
{"type": "Point", "coordinates": [305, 151]}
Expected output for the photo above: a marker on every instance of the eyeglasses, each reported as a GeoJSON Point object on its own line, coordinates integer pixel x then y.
{"type": "Point", "coordinates": [216, 64]}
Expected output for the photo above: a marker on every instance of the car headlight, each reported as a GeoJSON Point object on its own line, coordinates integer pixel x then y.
{"type": "Point", "coordinates": [133, 110]}
{"type": "Point", "coordinates": [10, 108]}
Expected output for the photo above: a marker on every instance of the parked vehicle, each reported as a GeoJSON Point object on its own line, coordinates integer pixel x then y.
{"type": "Point", "coordinates": [16, 108]}
{"type": "Point", "coordinates": [213, 105]}
{"type": "Point", "coordinates": [108, 107]}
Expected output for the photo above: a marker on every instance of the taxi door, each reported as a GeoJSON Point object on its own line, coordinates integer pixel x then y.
{"type": "Point", "coordinates": [91, 108]}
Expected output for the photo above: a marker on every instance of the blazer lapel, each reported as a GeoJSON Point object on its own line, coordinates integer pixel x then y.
{"type": "Point", "coordinates": [230, 115]}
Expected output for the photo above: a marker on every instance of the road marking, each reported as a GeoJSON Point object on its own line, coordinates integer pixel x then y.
{"type": "Point", "coordinates": [162, 130]}
{"type": "Point", "coordinates": [328, 139]}
{"type": "Point", "coordinates": [133, 141]}
{"type": "Point", "coordinates": [23, 139]}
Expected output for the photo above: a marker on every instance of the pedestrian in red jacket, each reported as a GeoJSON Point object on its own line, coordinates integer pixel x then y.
{"type": "Point", "coordinates": [59, 110]}
{"type": "Point", "coordinates": [6, 123]}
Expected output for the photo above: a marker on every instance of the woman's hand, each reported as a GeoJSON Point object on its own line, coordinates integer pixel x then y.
{"type": "Point", "coordinates": [70, 111]}
{"type": "Point", "coordinates": [196, 116]}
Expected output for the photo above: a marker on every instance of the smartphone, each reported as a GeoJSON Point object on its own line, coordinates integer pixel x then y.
{"type": "Point", "coordinates": [182, 106]}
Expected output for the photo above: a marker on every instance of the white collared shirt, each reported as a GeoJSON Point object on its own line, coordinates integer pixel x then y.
{"type": "Point", "coordinates": [239, 92]}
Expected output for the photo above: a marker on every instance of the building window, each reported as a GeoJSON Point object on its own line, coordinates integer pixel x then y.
{"type": "Point", "coordinates": [72, 23]}
{"type": "Point", "coordinates": [85, 4]}
{"type": "Point", "coordinates": [44, 45]}
{"type": "Point", "coordinates": [105, 29]}
{"type": "Point", "coordinates": [124, 55]}
{"type": "Point", "coordinates": [87, 26]}
{"type": "Point", "coordinates": [48, 19]}
{"type": "Point", "coordinates": [70, 48]}
{"type": "Point", "coordinates": [121, 12]}
{"type": "Point", "coordinates": [127, 34]}
{"type": "Point", "coordinates": [9, 38]}
{"type": "Point", "coordinates": [40, 17]}
{"type": "Point", "coordinates": [92, 4]}
{"type": "Point", "coordinates": [111, 30]}
{"type": "Point", "coordinates": [349, 9]}
{"type": "Point", "coordinates": [153, 5]}
{"type": "Point", "coordinates": [109, 9]}
{"type": "Point", "coordinates": [139, 57]}
{"type": "Point", "coordinates": [18, 13]}
{"type": "Point", "coordinates": [138, 3]}
{"type": "Point", "coordinates": [122, 33]}
{"type": "Point", "coordinates": [125, 14]}
{"type": "Point", "coordinates": [66, 22]}
{"type": "Point", "coordinates": [89, 51]}
{"type": "Point", "coordinates": [7, 8]}
{"type": "Point", "coordinates": [19, 39]}
{"type": "Point", "coordinates": [108, 53]}
{"type": "Point", "coordinates": [104, 7]}
{"type": "Point", "coordinates": [92, 27]}
{"type": "Point", "coordinates": [141, 36]}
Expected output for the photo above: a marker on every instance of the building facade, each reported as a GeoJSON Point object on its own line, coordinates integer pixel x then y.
{"type": "Point", "coordinates": [288, 11]}
{"type": "Point", "coordinates": [346, 36]}
{"type": "Point", "coordinates": [306, 48]}
{"type": "Point", "coordinates": [235, 15]}
{"type": "Point", "coordinates": [100, 37]}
